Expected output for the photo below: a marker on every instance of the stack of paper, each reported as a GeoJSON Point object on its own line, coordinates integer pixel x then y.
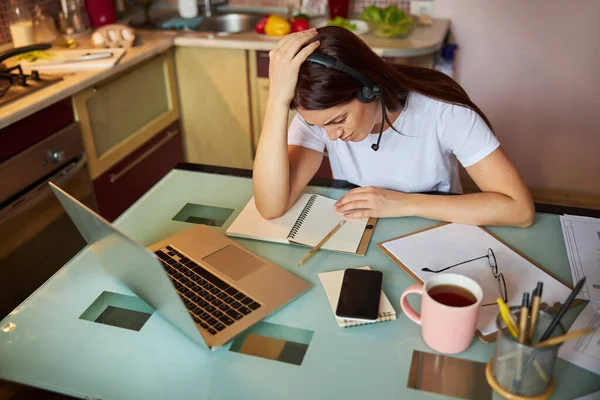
{"type": "Point", "coordinates": [582, 240]}
{"type": "Point", "coordinates": [585, 351]}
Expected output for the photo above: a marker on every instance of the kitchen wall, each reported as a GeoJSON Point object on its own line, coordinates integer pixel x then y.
{"type": "Point", "coordinates": [50, 7]}
{"type": "Point", "coordinates": [533, 68]}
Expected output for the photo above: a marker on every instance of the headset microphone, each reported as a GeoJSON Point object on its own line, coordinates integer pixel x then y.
{"type": "Point", "coordinates": [375, 146]}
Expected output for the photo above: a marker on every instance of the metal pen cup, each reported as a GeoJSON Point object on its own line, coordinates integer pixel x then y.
{"type": "Point", "coordinates": [522, 370]}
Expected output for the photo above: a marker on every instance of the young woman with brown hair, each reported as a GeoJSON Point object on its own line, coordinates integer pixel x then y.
{"type": "Point", "coordinates": [428, 125]}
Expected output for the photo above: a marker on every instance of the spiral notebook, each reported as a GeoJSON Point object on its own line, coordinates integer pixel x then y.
{"type": "Point", "coordinates": [332, 284]}
{"type": "Point", "coordinates": [309, 220]}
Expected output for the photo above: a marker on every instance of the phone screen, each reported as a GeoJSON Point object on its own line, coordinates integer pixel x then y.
{"type": "Point", "coordinates": [360, 294]}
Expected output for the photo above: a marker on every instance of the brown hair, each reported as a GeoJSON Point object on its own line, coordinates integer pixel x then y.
{"type": "Point", "coordinates": [319, 88]}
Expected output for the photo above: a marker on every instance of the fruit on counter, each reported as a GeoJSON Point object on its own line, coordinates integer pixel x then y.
{"type": "Point", "coordinates": [277, 26]}
{"type": "Point", "coordinates": [274, 25]}
{"type": "Point", "coordinates": [260, 26]}
{"type": "Point", "coordinates": [342, 22]}
{"type": "Point", "coordinates": [301, 16]}
{"type": "Point", "coordinates": [299, 25]}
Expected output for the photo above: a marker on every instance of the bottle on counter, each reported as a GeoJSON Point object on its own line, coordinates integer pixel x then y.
{"type": "Point", "coordinates": [45, 30]}
{"type": "Point", "coordinates": [21, 24]}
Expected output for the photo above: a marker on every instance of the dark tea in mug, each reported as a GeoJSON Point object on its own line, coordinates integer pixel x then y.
{"type": "Point", "coordinates": [452, 295]}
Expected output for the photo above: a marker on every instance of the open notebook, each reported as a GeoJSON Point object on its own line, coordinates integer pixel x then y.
{"type": "Point", "coordinates": [332, 284]}
{"type": "Point", "coordinates": [309, 220]}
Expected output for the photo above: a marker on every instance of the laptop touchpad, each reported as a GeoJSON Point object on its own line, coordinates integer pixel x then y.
{"type": "Point", "coordinates": [234, 262]}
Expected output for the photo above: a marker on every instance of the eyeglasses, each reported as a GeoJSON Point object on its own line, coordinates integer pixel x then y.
{"type": "Point", "coordinates": [493, 266]}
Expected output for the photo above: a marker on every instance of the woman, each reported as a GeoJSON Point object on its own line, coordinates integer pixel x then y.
{"type": "Point", "coordinates": [429, 123]}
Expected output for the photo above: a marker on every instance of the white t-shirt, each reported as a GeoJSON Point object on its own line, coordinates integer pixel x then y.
{"type": "Point", "coordinates": [423, 159]}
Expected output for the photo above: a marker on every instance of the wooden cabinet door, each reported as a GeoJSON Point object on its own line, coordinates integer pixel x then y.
{"type": "Point", "coordinates": [215, 106]}
{"type": "Point", "coordinates": [119, 115]}
{"type": "Point", "coordinates": [119, 187]}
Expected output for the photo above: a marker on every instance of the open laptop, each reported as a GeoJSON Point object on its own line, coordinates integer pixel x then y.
{"type": "Point", "coordinates": [204, 283]}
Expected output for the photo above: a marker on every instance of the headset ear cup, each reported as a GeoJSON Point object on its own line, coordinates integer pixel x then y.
{"type": "Point", "coordinates": [366, 95]}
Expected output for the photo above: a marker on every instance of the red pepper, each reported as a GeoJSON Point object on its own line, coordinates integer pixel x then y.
{"type": "Point", "coordinates": [299, 25]}
{"type": "Point", "coordinates": [260, 26]}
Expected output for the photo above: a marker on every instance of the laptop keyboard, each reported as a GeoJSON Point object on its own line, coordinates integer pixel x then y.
{"type": "Point", "coordinates": [212, 303]}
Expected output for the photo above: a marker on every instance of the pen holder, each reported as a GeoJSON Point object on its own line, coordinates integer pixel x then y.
{"type": "Point", "coordinates": [520, 371]}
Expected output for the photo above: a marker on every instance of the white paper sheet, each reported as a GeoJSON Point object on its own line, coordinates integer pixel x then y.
{"type": "Point", "coordinates": [585, 351]}
{"type": "Point", "coordinates": [582, 241]}
{"type": "Point", "coordinates": [453, 243]}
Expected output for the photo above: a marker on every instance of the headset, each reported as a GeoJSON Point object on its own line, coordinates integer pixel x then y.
{"type": "Point", "coordinates": [369, 91]}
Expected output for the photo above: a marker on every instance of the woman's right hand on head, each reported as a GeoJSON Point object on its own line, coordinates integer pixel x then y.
{"type": "Point", "coordinates": [284, 65]}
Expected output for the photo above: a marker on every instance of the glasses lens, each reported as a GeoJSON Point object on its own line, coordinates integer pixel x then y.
{"type": "Point", "coordinates": [493, 262]}
{"type": "Point", "coordinates": [502, 284]}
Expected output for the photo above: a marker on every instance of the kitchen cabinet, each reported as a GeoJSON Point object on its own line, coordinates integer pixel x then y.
{"type": "Point", "coordinates": [216, 106]}
{"type": "Point", "coordinates": [121, 185]}
{"type": "Point", "coordinates": [120, 114]}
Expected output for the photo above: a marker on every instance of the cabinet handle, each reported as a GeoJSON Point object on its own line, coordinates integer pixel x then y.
{"type": "Point", "coordinates": [118, 175]}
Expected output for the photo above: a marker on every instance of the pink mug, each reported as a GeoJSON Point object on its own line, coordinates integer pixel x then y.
{"type": "Point", "coordinates": [446, 328]}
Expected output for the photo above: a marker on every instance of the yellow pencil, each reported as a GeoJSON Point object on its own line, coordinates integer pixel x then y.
{"type": "Point", "coordinates": [322, 242]}
{"type": "Point", "coordinates": [508, 317]}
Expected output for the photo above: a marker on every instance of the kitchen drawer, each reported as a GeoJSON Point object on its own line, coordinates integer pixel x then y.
{"type": "Point", "coordinates": [30, 130]}
{"type": "Point", "coordinates": [120, 186]}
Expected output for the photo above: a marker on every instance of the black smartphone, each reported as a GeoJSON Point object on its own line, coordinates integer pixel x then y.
{"type": "Point", "coordinates": [360, 294]}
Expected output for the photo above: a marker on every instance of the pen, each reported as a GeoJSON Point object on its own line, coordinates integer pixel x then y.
{"type": "Point", "coordinates": [508, 318]}
{"type": "Point", "coordinates": [523, 318]}
{"type": "Point", "coordinates": [535, 308]}
{"type": "Point", "coordinates": [322, 242]}
{"type": "Point", "coordinates": [563, 310]}
{"type": "Point", "coordinates": [563, 338]}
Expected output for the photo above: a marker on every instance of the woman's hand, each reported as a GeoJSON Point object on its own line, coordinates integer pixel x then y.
{"type": "Point", "coordinates": [367, 202]}
{"type": "Point", "coordinates": [284, 65]}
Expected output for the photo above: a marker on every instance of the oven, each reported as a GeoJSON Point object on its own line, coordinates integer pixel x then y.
{"type": "Point", "coordinates": [36, 235]}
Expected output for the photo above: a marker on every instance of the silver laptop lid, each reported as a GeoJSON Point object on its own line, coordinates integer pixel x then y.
{"type": "Point", "coordinates": [131, 263]}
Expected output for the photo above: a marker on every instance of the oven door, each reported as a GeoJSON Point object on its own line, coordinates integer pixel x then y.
{"type": "Point", "coordinates": [37, 235]}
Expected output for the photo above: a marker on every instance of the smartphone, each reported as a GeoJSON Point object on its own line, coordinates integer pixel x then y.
{"type": "Point", "coordinates": [360, 294]}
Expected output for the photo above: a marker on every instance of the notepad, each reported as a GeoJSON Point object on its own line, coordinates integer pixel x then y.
{"type": "Point", "coordinates": [332, 284]}
{"type": "Point", "coordinates": [448, 244]}
{"type": "Point", "coordinates": [309, 220]}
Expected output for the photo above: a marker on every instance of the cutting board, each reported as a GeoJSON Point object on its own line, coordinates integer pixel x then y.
{"type": "Point", "coordinates": [47, 60]}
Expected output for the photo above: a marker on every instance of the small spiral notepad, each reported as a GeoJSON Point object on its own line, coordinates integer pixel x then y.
{"type": "Point", "coordinates": [332, 284]}
{"type": "Point", "coordinates": [309, 220]}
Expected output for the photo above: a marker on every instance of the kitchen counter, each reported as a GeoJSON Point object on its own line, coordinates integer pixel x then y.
{"type": "Point", "coordinates": [151, 43]}
{"type": "Point", "coordinates": [424, 40]}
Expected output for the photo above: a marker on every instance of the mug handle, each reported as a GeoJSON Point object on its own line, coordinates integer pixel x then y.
{"type": "Point", "coordinates": [408, 310]}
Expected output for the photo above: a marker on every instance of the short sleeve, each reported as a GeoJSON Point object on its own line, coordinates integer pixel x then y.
{"type": "Point", "coordinates": [302, 134]}
{"type": "Point", "coordinates": [465, 133]}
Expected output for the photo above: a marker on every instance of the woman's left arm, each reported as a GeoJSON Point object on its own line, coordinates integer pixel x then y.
{"type": "Point", "coordinates": [504, 199]}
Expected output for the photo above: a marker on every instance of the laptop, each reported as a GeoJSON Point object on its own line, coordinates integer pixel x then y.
{"type": "Point", "coordinates": [204, 283]}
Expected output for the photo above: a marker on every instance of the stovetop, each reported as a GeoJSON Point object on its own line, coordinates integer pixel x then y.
{"type": "Point", "coordinates": [15, 84]}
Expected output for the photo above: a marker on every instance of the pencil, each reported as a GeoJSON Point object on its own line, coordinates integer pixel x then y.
{"type": "Point", "coordinates": [322, 242]}
{"type": "Point", "coordinates": [562, 310]}
{"type": "Point", "coordinates": [563, 338]}
{"type": "Point", "coordinates": [523, 318]}
{"type": "Point", "coordinates": [535, 308]}
{"type": "Point", "coordinates": [508, 317]}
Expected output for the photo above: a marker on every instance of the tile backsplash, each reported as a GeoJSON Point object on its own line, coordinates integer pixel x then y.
{"type": "Point", "coordinates": [50, 7]}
